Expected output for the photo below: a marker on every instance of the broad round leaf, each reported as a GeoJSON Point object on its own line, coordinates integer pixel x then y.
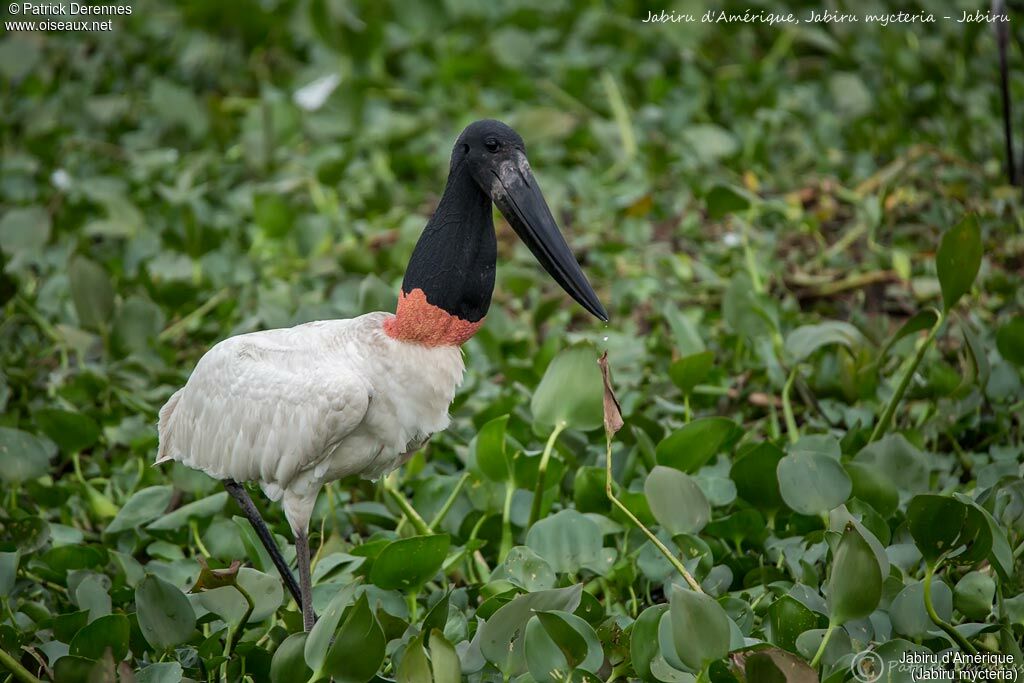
{"type": "Point", "coordinates": [92, 292]}
{"type": "Point", "coordinates": [958, 260]}
{"type": "Point", "coordinates": [974, 594]}
{"type": "Point", "coordinates": [23, 456]}
{"type": "Point", "coordinates": [501, 636]}
{"type": "Point", "coordinates": [899, 461]}
{"type": "Point", "coordinates": [288, 663]}
{"type": "Point", "coordinates": [145, 505]}
{"type": "Point", "coordinates": [569, 541]}
{"type": "Point", "coordinates": [571, 391]}
{"type": "Point", "coordinates": [700, 628]}
{"type": "Point", "coordinates": [873, 487]}
{"type": "Point", "coordinates": [676, 501]}
{"type": "Point", "coordinates": [444, 662]}
{"type": "Point", "coordinates": [755, 479]}
{"type": "Point", "coordinates": [165, 615]}
{"type": "Point", "coordinates": [687, 449]}
{"type": "Point", "coordinates": [805, 340]}
{"type": "Point", "coordinates": [409, 562]}
{"type": "Point", "coordinates": [573, 639]}
{"type": "Point", "coordinates": [643, 641]}
{"type": "Point", "coordinates": [689, 371]}
{"type": "Point", "coordinates": [358, 648]}
{"type": "Point", "coordinates": [941, 526]}
{"type": "Point", "coordinates": [909, 615]}
{"type": "Point", "coordinates": [811, 483]}
{"type": "Point", "coordinates": [1010, 340]}
{"type": "Point", "coordinates": [489, 448]}
{"type": "Point", "coordinates": [789, 618]}
{"type": "Point", "coordinates": [110, 632]}
{"type": "Point", "coordinates": [72, 432]}
{"type": "Point", "coordinates": [855, 579]}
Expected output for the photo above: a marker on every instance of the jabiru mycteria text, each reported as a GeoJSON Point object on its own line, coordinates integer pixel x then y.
{"type": "Point", "coordinates": [295, 408]}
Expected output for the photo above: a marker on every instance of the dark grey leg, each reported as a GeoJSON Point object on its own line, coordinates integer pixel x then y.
{"type": "Point", "coordinates": [240, 495]}
{"type": "Point", "coordinates": [305, 581]}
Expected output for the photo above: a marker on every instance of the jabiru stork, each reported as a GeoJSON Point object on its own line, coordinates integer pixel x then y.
{"type": "Point", "coordinates": [295, 408]}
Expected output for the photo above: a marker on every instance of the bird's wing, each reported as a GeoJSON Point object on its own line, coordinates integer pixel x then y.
{"type": "Point", "coordinates": [264, 406]}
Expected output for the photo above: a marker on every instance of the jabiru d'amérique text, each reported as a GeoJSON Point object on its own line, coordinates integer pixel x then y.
{"type": "Point", "coordinates": [295, 408]}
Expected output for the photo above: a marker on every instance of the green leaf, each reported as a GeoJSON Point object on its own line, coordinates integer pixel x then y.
{"type": "Point", "coordinates": [973, 595]}
{"type": "Point", "coordinates": [689, 371]}
{"type": "Point", "coordinates": [899, 461]}
{"type": "Point", "coordinates": [111, 631]}
{"type": "Point", "coordinates": [700, 628]}
{"type": "Point", "coordinates": [1010, 340]}
{"type": "Point", "coordinates": [414, 667]}
{"type": "Point", "coordinates": [527, 570]}
{"type": "Point", "coordinates": [288, 663]}
{"type": "Point", "coordinates": [687, 449]}
{"type": "Point", "coordinates": [722, 200]}
{"type": "Point", "coordinates": [265, 591]}
{"type": "Point", "coordinates": [323, 630]}
{"type": "Point", "coordinates": [942, 526]}
{"type": "Point", "coordinates": [755, 478]}
{"type": "Point", "coordinates": [802, 342]}
{"type": "Point", "coordinates": [144, 506]}
{"type": "Point", "coordinates": [489, 447]}
{"type": "Point", "coordinates": [571, 391]}
{"type": "Point", "coordinates": [643, 640]}
{"type": "Point", "coordinates": [23, 456]}
{"type": "Point", "coordinates": [197, 509]}
{"type": "Point", "coordinates": [676, 501]}
{"type": "Point", "coordinates": [24, 229]}
{"type": "Point", "coordinates": [92, 292]}
{"type": "Point", "coordinates": [789, 618]}
{"type": "Point", "coordinates": [444, 661]}
{"type": "Point", "coordinates": [8, 571]}
{"type": "Point", "coordinates": [777, 666]}
{"type": "Point", "coordinates": [569, 541]}
{"type": "Point", "coordinates": [873, 487]}
{"type": "Point", "coordinates": [72, 432]}
{"type": "Point", "coordinates": [136, 325]}
{"type": "Point", "coordinates": [811, 483]}
{"type": "Point", "coordinates": [559, 642]}
{"type": "Point", "coordinates": [409, 562]}
{"type": "Point", "coordinates": [164, 672]}
{"type": "Point", "coordinates": [855, 580]}
{"type": "Point", "coordinates": [958, 260]}
{"type": "Point", "coordinates": [358, 648]}
{"type": "Point", "coordinates": [501, 636]}
{"type": "Point", "coordinates": [165, 614]}
{"type": "Point", "coordinates": [909, 615]}
{"type": "Point", "coordinates": [919, 322]}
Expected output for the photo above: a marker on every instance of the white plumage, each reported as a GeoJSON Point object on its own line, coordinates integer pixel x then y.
{"type": "Point", "coordinates": [296, 408]}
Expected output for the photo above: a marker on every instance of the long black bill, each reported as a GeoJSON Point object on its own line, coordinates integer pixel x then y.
{"type": "Point", "coordinates": [518, 197]}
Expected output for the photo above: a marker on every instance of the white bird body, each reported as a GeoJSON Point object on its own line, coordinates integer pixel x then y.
{"type": "Point", "coordinates": [295, 408]}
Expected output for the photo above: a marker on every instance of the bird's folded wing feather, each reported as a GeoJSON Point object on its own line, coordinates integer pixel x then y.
{"type": "Point", "coordinates": [255, 408]}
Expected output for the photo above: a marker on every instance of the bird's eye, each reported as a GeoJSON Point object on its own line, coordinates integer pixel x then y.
{"type": "Point", "coordinates": [491, 144]}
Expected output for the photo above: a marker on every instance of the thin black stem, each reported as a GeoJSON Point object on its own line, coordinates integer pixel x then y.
{"type": "Point", "coordinates": [305, 580]}
{"type": "Point", "coordinates": [1002, 38]}
{"type": "Point", "coordinates": [241, 496]}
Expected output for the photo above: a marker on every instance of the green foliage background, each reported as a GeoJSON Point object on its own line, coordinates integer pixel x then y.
{"type": "Point", "coordinates": [760, 208]}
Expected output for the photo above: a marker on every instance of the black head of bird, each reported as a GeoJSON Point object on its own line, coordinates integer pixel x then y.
{"type": "Point", "coordinates": [453, 263]}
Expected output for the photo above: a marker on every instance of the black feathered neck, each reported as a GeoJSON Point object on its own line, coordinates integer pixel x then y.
{"type": "Point", "coordinates": [454, 259]}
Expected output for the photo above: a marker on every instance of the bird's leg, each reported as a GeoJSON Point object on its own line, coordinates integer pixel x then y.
{"type": "Point", "coordinates": [305, 581]}
{"type": "Point", "coordinates": [240, 495]}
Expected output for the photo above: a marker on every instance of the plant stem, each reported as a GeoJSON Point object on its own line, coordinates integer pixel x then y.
{"type": "Point", "coordinates": [650, 534]}
{"type": "Point", "coordinates": [17, 670]}
{"type": "Point", "coordinates": [542, 468]}
{"type": "Point", "coordinates": [177, 329]}
{"type": "Point", "coordinates": [901, 388]}
{"type": "Point", "coordinates": [824, 643]}
{"type": "Point", "coordinates": [506, 523]}
{"type": "Point", "coordinates": [787, 408]}
{"type": "Point", "coordinates": [939, 621]}
{"type": "Point", "coordinates": [407, 509]}
{"type": "Point", "coordinates": [446, 508]}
